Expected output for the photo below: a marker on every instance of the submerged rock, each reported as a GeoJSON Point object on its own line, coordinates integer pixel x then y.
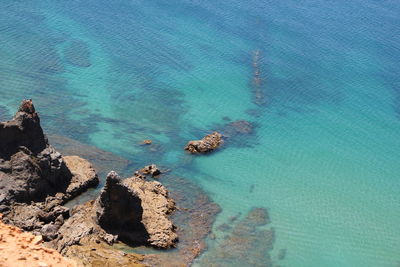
{"type": "Point", "coordinates": [248, 244]}
{"type": "Point", "coordinates": [259, 94]}
{"type": "Point", "coordinates": [239, 133]}
{"type": "Point", "coordinates": [238, 127]}
{"type": "Point", "coordinates": [77, 53]}
{"type": "Point", "coordinates": [207, 144]}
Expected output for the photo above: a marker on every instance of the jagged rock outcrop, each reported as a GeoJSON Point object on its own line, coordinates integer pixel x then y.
{"type": "Point", "coordinates": [31, 169]}
{"type": "Point", "coordinates": [137, 211]}
{"type": "Point", "coordinates": [35, 180]}
{"type": "Point", "coordinates": [207, 144]}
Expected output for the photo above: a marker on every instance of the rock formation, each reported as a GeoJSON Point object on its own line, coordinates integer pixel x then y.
{"type": "Point", "coordinates": [137, 211]}
{"type": "Point", "coordinates": [146, 142]}
{"type": "Point", "coordinates": [152, 170]}
{"type": "Point", "coordinates": [207, 144]}
{"type": "Point", "coordinates": [31, 169]}
{"type": "Point", "coordinates": [83, 175]}
{"type": "Point", "coordinates": [35, 182]}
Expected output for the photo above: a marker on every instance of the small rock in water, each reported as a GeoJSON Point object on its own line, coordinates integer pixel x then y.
{"type": "Point", "coordinates": [152, 170]}
{"type": "Point", "coordinates": [146, 142]}
{"type": "Point", "coordinates": [207, 144]}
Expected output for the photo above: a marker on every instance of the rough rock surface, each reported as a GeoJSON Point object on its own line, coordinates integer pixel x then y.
{"type": "Point", "coordinates": [83, 175]}
{"type": "Point", "coordinates": [20, 249]}
{"type": "Point", "coordinates": [195, 216]}
{"type": "Point", "coordinates": [207, 144]}
{"type": "Point", "coordinates": [98, 254]}
{"type": "Point", "coordinates": [82, 239]}
{"type": "Point", "coordinates": [152, 170]}
{"type": "Point", "coordinates": [137, 211]}
{"type": "Point", "coordinates": [31, 169]}
{"type": "Point", "coordinates": [40, 217]}
{"type": "Point", "coordinates": [35, 180]}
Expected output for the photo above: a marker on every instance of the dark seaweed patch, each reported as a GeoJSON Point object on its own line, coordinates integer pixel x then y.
{"type": "Point", "coordinates": [77, 53]}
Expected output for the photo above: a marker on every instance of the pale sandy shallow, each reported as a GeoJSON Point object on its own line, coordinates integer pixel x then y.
{"type": "Point", "coordinates": [19, 248]}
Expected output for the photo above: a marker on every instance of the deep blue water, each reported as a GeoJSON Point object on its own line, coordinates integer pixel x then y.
{"type": "Point", "coordinates": [324, 155]}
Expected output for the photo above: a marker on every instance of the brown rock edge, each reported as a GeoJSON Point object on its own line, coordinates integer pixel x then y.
{"type": "Point", "coordinates": [207, 144]}
{"type": "Point", "coordinates": [20, 249]}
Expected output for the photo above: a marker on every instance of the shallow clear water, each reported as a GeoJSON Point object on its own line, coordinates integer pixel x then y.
{"type": "Point", "coordinates": [324, 156]}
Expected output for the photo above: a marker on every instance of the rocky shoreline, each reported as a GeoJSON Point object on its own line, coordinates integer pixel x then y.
{"type": "Point", "coordinates": [36, 182]}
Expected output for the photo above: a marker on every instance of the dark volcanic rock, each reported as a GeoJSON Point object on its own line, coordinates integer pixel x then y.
{"type": "Point", "coordinates": [40, 217]}
{"type": "Point", "coordinates": [31, 169]}
{"type": "Point", "coordinates": [3, 113]}
{"type": "Point", "coordinates": [35, 180]}
{"type": "Point", "coordinates": [23, 130]}
{"type": "Point", "coordinates": [207, 144]}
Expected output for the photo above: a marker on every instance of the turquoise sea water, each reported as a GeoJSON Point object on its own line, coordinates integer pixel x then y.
{"type": "Point", "coordinates": [324, 155]}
